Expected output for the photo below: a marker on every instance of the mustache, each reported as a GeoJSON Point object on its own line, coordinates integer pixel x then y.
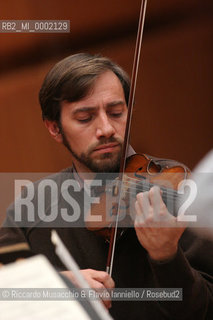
{"type": "Point", "coordinates": [103, 141]}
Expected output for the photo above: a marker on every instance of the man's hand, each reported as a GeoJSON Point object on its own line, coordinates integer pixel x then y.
{"type": "Point", "coordinates": [157, 230]}
{"type": "Point", "coordinates": [99, 280]}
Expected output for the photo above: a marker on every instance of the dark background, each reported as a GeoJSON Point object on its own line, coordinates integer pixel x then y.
{"type": "Point", "coordinates": [173, 113]}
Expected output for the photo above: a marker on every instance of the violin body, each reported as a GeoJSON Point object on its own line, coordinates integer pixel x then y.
{"type": "Point", "coordinates": [161, 172]}
{"type": "Point", "coordinates": [141, 173]}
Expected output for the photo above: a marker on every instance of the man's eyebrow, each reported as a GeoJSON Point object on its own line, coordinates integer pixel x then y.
{"type": "Point", "coordinates": [115, 103]}
{"type": "Point", "coordinates": [84, 109]}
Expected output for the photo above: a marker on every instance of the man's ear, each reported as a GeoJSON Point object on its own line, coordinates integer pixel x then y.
{"type": "Point", "coordinates": [54, 130]}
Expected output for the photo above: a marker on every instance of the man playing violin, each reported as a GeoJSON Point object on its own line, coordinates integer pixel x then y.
{"type": "Point", "coordinates": [84, 106]}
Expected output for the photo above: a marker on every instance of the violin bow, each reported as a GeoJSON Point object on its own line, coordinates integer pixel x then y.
{"type": "Point", "coordinates": [113, 235]}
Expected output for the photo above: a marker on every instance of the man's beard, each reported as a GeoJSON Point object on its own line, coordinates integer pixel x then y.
{"type": "Point", "coordinates": [107, 162]}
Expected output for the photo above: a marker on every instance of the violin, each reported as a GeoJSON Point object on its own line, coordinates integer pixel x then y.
{"type": "Point", "coordinates": [142, 172]}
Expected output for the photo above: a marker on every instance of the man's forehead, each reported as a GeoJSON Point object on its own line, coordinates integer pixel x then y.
{"type": "Point", "coordinates": [107, 90]}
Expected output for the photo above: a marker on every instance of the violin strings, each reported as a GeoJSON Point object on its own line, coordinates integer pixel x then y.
{"type": "Point", "coordinates": [145, 182]}
{"type": "Point", "coordinates": [138, 180]}
{"type": "Point", "coordinates": [165, 197]}
{"type": "Point", "coordinates": [146, 187]}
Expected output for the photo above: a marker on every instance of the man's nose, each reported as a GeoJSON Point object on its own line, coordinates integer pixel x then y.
{"type": "Point", "coordinates": [104, 127]}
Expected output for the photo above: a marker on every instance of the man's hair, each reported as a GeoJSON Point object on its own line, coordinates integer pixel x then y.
{"type": "Point", "coordinates": [72, 78]}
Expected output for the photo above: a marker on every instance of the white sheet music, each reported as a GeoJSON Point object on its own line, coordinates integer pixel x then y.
{"type": "Point", "coordinates": [36, 272]}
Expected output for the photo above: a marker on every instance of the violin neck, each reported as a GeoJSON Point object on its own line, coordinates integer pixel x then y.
{"type": "Point", "coordinates": [171, 197]}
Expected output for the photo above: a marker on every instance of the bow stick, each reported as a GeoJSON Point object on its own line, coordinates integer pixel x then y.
{"type": "Point", "coordinates": [113, 235]}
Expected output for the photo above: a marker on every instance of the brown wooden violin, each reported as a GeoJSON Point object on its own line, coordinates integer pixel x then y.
{"type": "Point", "coordinates": [142, 172]}
{"type": "Point", "coordinates": [117, 197]}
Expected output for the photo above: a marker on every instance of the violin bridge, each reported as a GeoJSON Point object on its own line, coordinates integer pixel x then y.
{"type": "Point", "coordinates": [123, 186]}
{"type": "Point", "coordinates": [115, 189]}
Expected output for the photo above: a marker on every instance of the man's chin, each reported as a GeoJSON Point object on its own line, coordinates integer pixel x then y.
{"type": "Point", "coordinates": [105, 164]}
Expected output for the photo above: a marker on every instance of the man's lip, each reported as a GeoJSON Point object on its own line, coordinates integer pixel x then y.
{"type": "Point", "coordinates": [106, 146]}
